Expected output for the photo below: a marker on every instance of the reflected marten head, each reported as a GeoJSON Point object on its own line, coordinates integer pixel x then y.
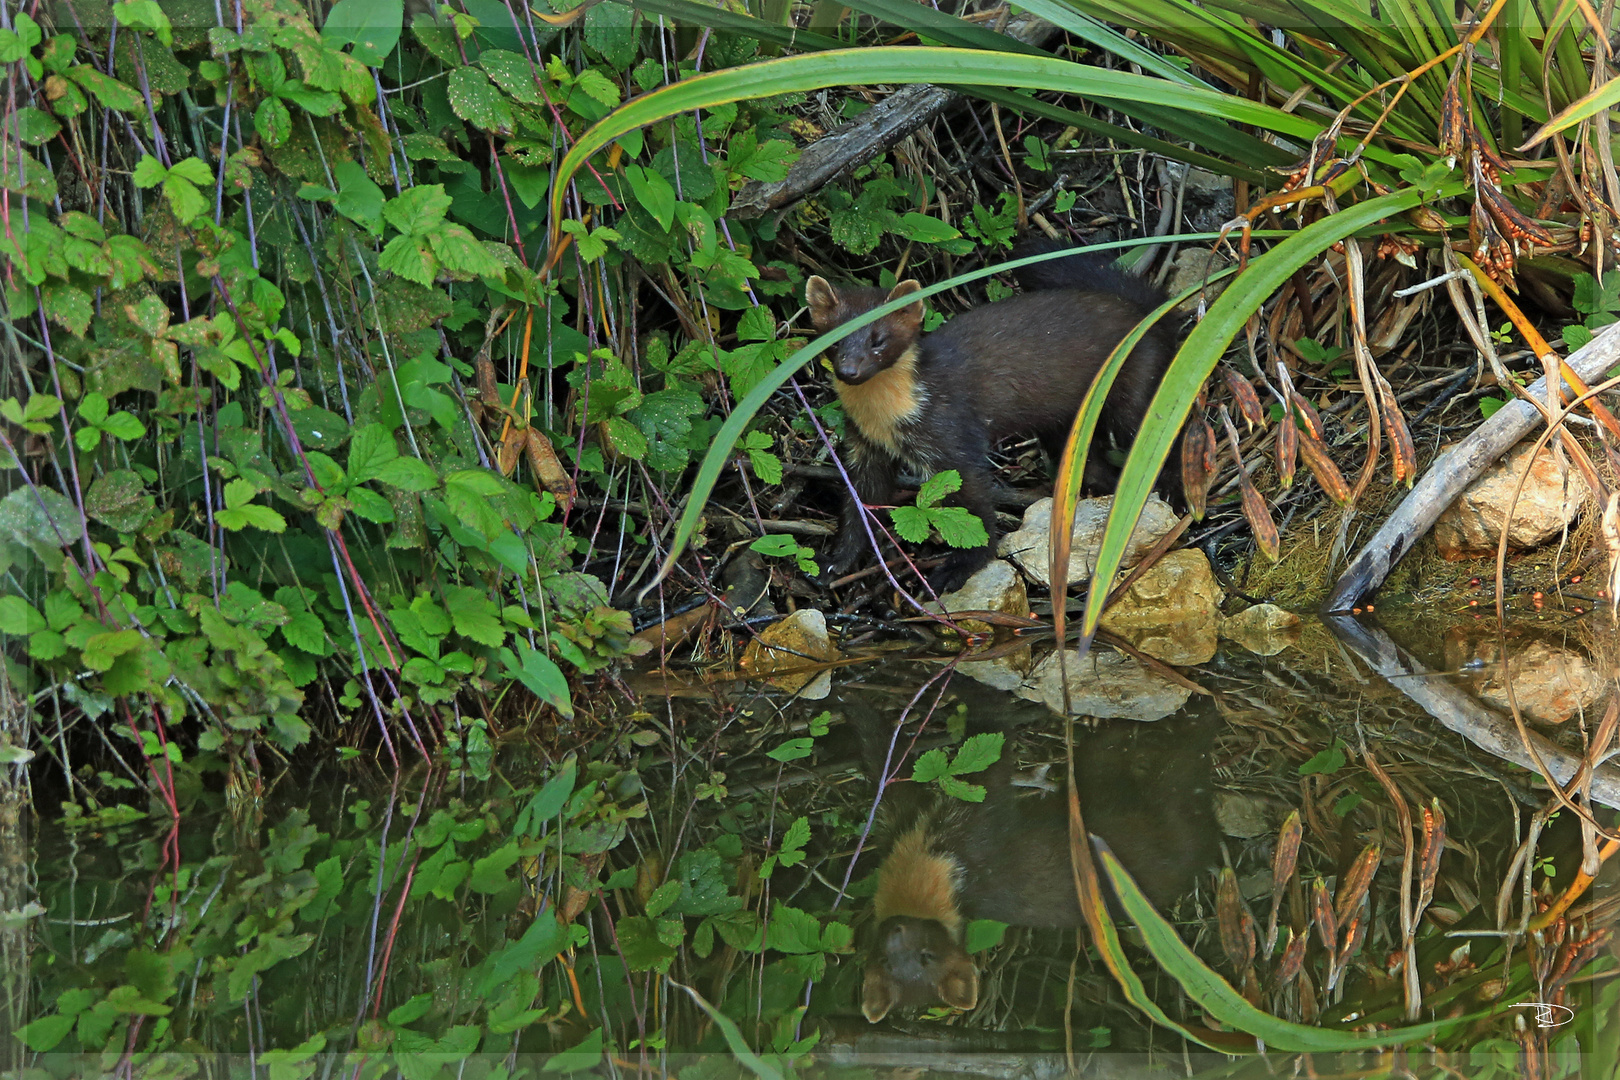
{"type": "Point", "coordinates": [875, 347]}
{"type": "Point", "coordinates": [917, 962]}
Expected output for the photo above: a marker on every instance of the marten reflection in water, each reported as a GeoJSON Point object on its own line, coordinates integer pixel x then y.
{"type": "Point", "coordinates": [1145, 789]}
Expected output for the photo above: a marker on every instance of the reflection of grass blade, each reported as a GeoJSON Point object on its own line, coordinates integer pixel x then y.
{"type": "Point", "coordinates": [948, 67]}
{"type": "Point", "coordinates": [1196, 360]}
{"type": "Point", "coordinates": [1217, 997]}
{"type": "Point", "coordinates": [734, 1037]}
{"type": "Point", "coordinates": [1105, 935]}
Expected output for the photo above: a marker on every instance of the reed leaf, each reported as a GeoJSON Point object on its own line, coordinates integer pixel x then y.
{"type": "Point", "coordinates": [924, 64]}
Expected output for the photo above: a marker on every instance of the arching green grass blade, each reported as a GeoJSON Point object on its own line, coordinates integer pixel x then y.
{"type": "Point", "coordinates": [947, 67]}
{"type": "Point", "coordinates": [1197, 358]}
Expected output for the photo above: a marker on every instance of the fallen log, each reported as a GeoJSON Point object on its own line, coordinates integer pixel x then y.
{"type": "Point", "coordinates": [1453, 471]}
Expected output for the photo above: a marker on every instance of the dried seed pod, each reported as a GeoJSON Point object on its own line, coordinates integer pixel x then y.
{"type": "Point", "coordinates": [1243, 395]}
{"type": "Point", "coordinates": [1327, 474]}
{"type": "Point", "coordinates": [1283, 863]}
{"type": "Point", "coordinates": [1287, 447]}
{"type": "Point", "coordinates": [1327, 927]}
{"type": "Point", "coordinates": [1259, 517]}
{"type": "Point", "coordinates": [1236, 924]}
{"type": "Point", "coordinates": [1454, 123]}
{"type": "Point", "coordinates": [1311, 423]}
{"type": "Point", "coordinates": [548, 469]}
{"type": "Point", "coordinates": [1293, 959]}
{"type": "Point", "coordinates": [1403, 454]}
{"type": "Point", "coordinates": [1434, 844]}
{"type": "Point", "coordinates": [484, 372]}
{"type": "Point", "coordinates": [506, 454]}
{"type": "Point", "coordinates": [1356, 883]}
{"type": "Point", "coordinates": [1196, 475]}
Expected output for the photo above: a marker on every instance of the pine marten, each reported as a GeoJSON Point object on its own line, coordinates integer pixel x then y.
{"type": "Point", "coordinates": [1017, 367]}
{"type": "Point", "coordinates": [1146, 791]}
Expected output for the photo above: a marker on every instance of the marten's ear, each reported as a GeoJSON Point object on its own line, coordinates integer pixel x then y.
{"type": "Point", "coordinates": [958, 987]}
{"type": "Point", "coordinates": [911, 315]}
{"type": "Point", "coordinates": [823, 301]}
{"type": "Point", "coordinates": [879, 994]}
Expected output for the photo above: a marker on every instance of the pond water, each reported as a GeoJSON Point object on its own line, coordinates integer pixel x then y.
{"type": "Point", "coordinates": [685, 883]}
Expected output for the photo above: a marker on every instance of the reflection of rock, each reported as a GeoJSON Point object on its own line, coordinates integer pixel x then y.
{"type": "Point", "coordinates": [1551, 498]}
{"type": "Point", "coordinates": [1028, 545]}
{"type": "Point", "coordinates": [995, 587]}
{"type": "Point", "coordinates": [1550, 684]}
{"type": "Point", "coordinates": [1105, 684]}
{"type": "Point", "coordinates": [1172, 611]}
{"type": "Point", "coordinates": [1264, 629]}
{"type": "Point", "coordinates": [1242, 816]}
{"type": "Point", "coordinates": [798, 641]}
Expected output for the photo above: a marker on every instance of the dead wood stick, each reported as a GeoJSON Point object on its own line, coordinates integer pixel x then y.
{"type": "Point", "coordinates": [874, 132]}
{"type": "Point", "coordinates": [1455, 470]}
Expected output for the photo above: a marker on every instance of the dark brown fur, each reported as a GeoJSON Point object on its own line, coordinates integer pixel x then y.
{"type": "Point", "coordinates": [1018, 367]}
{"type": "Point", "coordinates": [1147, 792]}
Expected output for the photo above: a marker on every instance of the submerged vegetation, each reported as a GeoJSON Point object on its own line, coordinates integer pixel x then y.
{"type": "Point", "coordinates": [384, 381]}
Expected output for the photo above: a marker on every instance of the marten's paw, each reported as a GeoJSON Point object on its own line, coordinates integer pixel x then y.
{"type": "Point", "coordinates": [953, 573]}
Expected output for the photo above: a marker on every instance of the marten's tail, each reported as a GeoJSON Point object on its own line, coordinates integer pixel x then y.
{"type": "Point", "coordinates": [1088, 271]}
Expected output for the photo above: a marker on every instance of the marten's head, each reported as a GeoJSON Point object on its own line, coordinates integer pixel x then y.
{"type": "Point", "coordinates": [875, 347]}
{"type": "Point", "coordinates": [917, 962]}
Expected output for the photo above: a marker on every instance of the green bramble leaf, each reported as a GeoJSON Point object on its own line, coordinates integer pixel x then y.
{"type": "Point", "coordinates": [149, 172]}
{"type": "Point", "coordinates": [958, 527]}
{"type": "Point", "coordinates": [418, 210]}
{"type": "Point", "coordinates": [936, 487]}
{"type": "Point", "coordinates": [655, 194]}
{"type": "Point", "coordinates": [911, 523]}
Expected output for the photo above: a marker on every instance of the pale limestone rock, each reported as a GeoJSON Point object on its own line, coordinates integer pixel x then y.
{"type": "Point", "coordinates": [1172, 612]}
{"type": "Point", "coordinates": [1105, 684]}
{"type": "Point", "coordinates": [1264, 629]}
{"type": "Point", "coordinates": [1028, 545]}
{"type": "Point", "coordinates": [798, 641]}
{"type": "Point", "coordinates": [995, 587]}
{"type": "Point", "coordinates": [1552, 497]}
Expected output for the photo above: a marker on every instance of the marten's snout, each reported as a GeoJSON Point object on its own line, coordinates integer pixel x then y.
{"type": "Point", "coordinates": [862, 356]}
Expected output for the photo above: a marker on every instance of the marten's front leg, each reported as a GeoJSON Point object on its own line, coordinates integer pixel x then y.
{"type": "Point", "coordinates": [875, 473]}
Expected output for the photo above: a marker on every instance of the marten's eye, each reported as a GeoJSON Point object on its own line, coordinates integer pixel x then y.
{"type": "Point", "coordinates": [879, 342]}
{"type": "Point", "coordinates": [926, 957]}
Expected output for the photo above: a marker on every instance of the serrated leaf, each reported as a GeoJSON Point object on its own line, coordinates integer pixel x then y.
{"type": "Point", "coordinates": [540, 674]}
{"type": "Point", "coordinates": [184, 199]}
{"type": "Point", "coordinates": [408, 474]}
{"type": "Point", "coordinates": [194, 169]}
{"type": "Point", "coordinates": [68, 306]}
{"type": "Point", "coordinates": [478, 101]}
{"type": "Point", "coordinates": [370, 505]}
{"type": "Point", "coordinates": [123, 426]}
{"type": "Point", "coordinates": [251, 516]}
{"type": "Point", "coordinates": [273, 122]}
{"type": "Point", "coordinates": [372, 26]}
{"type": "Point", "coordinates": [655, 194]}
{"type": "Point", "coordinates": [120, 499]}
{"type": "Point", "coordinates": [459, 251]}
{"type": "Point", "coordinates": [315, 102]}
{"type": "Point", "coordinates": [959, 527]}
{"type": "Point", "coordinates": [32, 126]}
{"type": "Point", "coordinates": [514, 74]}
{"type": "Point", "coordinates": [18, 617]}
{"type": "Point", "coordinates": [417, 210]}
{"type": "Point", "coordinates": [911, 523]}
{"type": "Point", "coordinates": [936, 487]}
{"type": "Point", "coordinates": [410, 258]}
{"type": "Point", "coordinates": [111, 93]}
